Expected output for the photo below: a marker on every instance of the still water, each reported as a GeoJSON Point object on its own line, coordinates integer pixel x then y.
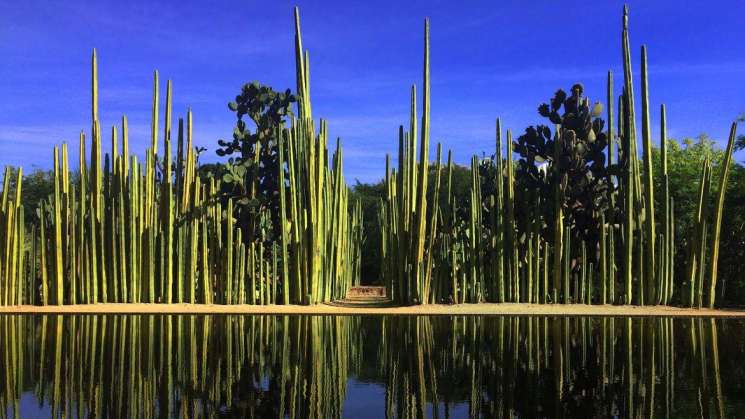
{"type": "Point", "coordinates": [370, 367]}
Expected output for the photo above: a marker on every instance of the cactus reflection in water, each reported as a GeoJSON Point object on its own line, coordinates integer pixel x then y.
{"type": "Point", "coordinates": [301, 366]}
{"type": "Point", "coordinates": [177, 366]}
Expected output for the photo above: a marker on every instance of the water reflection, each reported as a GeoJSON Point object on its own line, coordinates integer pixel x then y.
{"type": "Point", "coordinates": [300, 366]}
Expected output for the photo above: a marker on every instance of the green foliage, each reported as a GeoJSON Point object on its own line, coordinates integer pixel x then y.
{"type": "Point", "coordinates": [251, 178]}
{"type": "Point", "coordinates": [684, 159]}
{"type": "Point", "coordinates": [37, 186]}
{"type": "Point", "coordinates": [684, 165]}
{"type": "Point", "coordinates": [369, 195]}
{"type": "Point", "coordinates": [740, 142]}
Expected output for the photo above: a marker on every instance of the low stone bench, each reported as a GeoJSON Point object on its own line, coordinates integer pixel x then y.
{"type": "Point", "coordinates": [366, 292]}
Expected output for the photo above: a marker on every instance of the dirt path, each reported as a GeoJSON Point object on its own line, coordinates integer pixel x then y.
{"type": "Point", "coordinates": [463, 309]}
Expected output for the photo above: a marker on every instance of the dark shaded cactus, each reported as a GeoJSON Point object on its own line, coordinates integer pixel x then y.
{"type": "Point", "coordinates": [580, 159]}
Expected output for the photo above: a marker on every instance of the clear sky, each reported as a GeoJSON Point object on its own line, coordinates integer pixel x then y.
{"type": "Point", "coordinates": [488, 59]}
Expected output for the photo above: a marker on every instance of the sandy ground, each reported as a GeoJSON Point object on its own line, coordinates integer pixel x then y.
{"type": "Point", "coordinates": [510, 309]}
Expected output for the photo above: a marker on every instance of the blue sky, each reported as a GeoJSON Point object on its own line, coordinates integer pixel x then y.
{"type": "Point", "coordinates": [488, 59]}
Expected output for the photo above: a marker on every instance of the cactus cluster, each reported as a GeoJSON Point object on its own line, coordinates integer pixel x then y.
{"type": "Point", "coordinates": [13, 285]}
{"type": "Point", "coordinates": [560, 212]}
{"type": "Point", "coordinates": [123, 230]}
{"type": "Point", "coordinates": [404, 215]}
{"type": "Point", "coordinates": [575, 219]}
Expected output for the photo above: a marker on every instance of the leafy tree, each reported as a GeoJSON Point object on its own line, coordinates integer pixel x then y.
{"type": "Point", "coordinates": [740, 142]}
{"type": "Point", "coordinates": [684, 168]}
{"type": "Point", "coordinates": [37, 186]}
{"type": "Point", "coordinates": [370, 195]}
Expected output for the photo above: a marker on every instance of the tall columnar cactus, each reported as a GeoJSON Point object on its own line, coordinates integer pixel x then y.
{"type": "Point", "coordinates": [498, 229]}
{"type": "Point", "coordinates": [168, 206]}
{"type": "Point", "coordinates": [405, 212]}
{"type": "Point", "coordinates": [668, 246]}
{"type": "Point", "coordinates": [12, 231]}
{"type": "Point", "coordinates": [697, 244]}
{"type": "Point", "coordinates": [426, 290]}
{"type": "Point", "coordinates": [317, 191]}
{"type": "Point", "coordinates": [558, 218]}
{"type": "Point", "coordinates": [608, 273]}
{"type": "Point", "coordinates": [511, 248]}
{"type": "Point", "coordinates": [420, 216]}
{"type": "Point", "coordinates": [284, 228]}
{"type": "Point", "coordinates": [713, 264]}
{"type": "Point", "coordinates": [58, 258]}
{"type": "Point", "coordinates": [153, 231]}
{"type": "Point", "coordinates": [629, 138]}
{"type": "Point", "coordinates": [474, 239]}
{"type": "Point", "coordinates": [649, 222]}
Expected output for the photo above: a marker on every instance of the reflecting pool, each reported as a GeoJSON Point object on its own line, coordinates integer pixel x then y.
{"type": "Point", "coordinates": [370, 367]}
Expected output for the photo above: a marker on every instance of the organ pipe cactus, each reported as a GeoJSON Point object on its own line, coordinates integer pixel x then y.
{"type": "Point", "coordinates": [498, 229]}
{"type": "Point", "coordinates": [406, 208]}
{"type": "Point", "coordinates": [515, 248]}
{"type": "Point", "coordinates": [126, 230]}
{"type": "Point", "coordinates": [699, 225]}
{"type": "Point", "coordinates": [649, 216]}
{"type": "Point", "coordinates": [629, 138]}
{"type": "Point", "coordinates": [154, 232]}
{"type": "Point", "coordinates": [713, 264]}
{"type": "Point", "coordinates": [667, 272]}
